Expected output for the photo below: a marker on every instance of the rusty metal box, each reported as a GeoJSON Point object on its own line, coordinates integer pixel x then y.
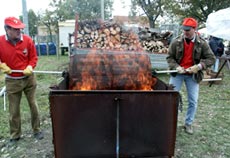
{"type": "Point", "coordinates": [118, 123]}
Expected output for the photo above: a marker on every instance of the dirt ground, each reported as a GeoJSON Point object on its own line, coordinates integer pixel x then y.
{"type": "Point", "coordinates": [28, 146]}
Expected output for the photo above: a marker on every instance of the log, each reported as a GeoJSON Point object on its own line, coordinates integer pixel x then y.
{"type": "Point", "coordinates": [110, 35]}
{"type": "Point", "coordinates": [106, 35]}
{"type": "Point", "coordinates": [154, 42]}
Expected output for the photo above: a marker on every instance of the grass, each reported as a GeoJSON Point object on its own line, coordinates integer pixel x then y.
{"type": "Point", "coordinates": [212, 131]}
{"type": "Point", "coordinates": [211, 125]}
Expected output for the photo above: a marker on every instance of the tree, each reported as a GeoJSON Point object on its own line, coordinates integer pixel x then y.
{"type": "Point", "coordinates": [178, 9]}
{"type": "Point", "coordinates": [50, 20]}
{"type": "Point", "coordinates": [196, 9]}
{"type": "Point", "coordinates": [152, 9]}
{"type": "Point", "coordinates": [61, 10]}
{"type": "Point", "coordinates": [33, 23]}
{"type": "Point", "coordinates": [67, 9]}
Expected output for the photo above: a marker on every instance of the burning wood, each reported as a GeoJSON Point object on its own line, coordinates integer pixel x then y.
{"type": "Point", "coordinates": [111, 71]}
{"type": "Point", "coordinates": [115, 61]}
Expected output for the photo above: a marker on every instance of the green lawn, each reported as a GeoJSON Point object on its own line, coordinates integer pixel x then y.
{"type": "Point", "coordinates": [211, 137]}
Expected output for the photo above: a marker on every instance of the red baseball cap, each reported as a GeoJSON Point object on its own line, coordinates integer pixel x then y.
{"type": "Point", "coordinates": [14, 23]}
{"type": "Point", "coordinates": [189, 23]}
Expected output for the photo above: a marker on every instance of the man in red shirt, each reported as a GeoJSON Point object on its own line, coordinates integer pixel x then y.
{"type": "Point", "coordinates": [189, 55]}
{"type": "Point", "coordinates": [17, 52]}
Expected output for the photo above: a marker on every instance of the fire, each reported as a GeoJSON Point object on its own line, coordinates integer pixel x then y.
{"type": "Point", "coordinates": [111, 71]}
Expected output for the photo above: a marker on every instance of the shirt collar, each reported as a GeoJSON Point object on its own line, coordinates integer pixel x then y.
{"type": "Point", "coordinates": [7, 38]}
{"type": "Point", "coordinates": [194, 37]}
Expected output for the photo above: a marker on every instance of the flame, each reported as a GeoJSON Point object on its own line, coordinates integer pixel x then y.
{"type": "Point", "coordinates": [112, 71]}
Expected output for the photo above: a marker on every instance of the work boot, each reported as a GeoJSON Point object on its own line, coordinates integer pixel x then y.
{"type": "Point", "coordinates": [188, 129]}
{"type": "Point", "coordinates": [38, 135]}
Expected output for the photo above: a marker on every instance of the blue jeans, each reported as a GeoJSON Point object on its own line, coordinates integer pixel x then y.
{"type": "Point", "coordinates": [192, 88]}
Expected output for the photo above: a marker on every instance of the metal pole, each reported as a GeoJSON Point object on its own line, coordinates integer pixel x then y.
{"type": "Point", "coordinates": [166, 71]}
{"type": "Point", "coordinates": [173, 71]}
{"type": "Point", "coordinates": [117, 127]}
{"type": "Point", "coordinates": [43, 72]}
{"type": "Point", "coordinates": [25, 17]}
{"type": "Point", "coordinates": [218, 72]}
{"type": "Point", "coordinates": [3, 93]}
{"type": "Point", "coordinates": [102, 10]}
{"type": "Point", "coordinates": [211, 79]}
{"type": "Point", "coordinates": [3, 90]}
{"type": "Point", "coordinates": [4, 96]}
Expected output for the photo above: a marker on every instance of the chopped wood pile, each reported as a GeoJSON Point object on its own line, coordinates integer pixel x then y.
{"type": "Point", "coordinates": [154, 42]}
{"type": "Point", "coordinates": [106, 35]}
{"type": "Point", "coordinates": [110, 35]}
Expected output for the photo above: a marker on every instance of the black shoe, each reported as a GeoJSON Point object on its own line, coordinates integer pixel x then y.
{"type": "Point", "coordinates": [12, 142]}
{"type": "Point", "coordinates": [38, 135]}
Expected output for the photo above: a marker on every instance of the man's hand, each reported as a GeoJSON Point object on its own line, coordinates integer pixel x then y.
{"type": "Point", "coordinates": [28, 70]}
{"type": "Point", "coordinates": [180, 70]}
{"type": "Point", "coordinates": [193, 69]}
{"type": "Point", "coordinates": [5, 69]}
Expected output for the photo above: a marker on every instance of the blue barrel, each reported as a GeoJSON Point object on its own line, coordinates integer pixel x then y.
{"type": "Point", "coordinates": [42, 47]}
{"type": "Point", "coordinates": [52, 48]}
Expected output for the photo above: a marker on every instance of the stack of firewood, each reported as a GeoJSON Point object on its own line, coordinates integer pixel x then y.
{"type": "Point", "coordinates": [106, 35]}
{"type": "Point", "coordinates": [154, 42]}
{"type": "Point", "coordinates": [110, 35]}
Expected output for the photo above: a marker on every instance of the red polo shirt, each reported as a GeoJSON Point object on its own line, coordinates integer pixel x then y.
{"type": "Point", "coordinates": [18, 56]}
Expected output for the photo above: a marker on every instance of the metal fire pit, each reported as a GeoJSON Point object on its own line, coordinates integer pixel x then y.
{"type": "Point", "coordinates": [113, 123]}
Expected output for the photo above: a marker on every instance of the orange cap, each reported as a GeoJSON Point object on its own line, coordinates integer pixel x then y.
{"type": "Point", "coordinates": [189, 23]}
{"type": "Point", "coordinates": [14, 23]}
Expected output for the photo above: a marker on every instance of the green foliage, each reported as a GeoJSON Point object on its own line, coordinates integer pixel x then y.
{"type": "Point", "coordinates": [178, 9]}
{"type": "Point", "coordinates": [197, 9]}
{"type": "Point", "coordinates": [67, 9]}
{"type": "Point", "coordinates": [175, 10]}
{"type": "Point", "coordinates": [33, 23]}
{"type": "Point", "coordinates": [61, 10]}
{"type": "Point", "coordinates": [151, 8]}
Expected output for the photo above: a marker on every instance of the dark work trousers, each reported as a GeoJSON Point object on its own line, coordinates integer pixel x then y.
{"type": "Point", "coordinates": [14, 89]}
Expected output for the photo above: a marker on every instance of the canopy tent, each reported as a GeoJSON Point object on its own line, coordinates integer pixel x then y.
{"type": "Point", "coordinates": [203, 32]}
{"type": "Point", "coordinates": [218, 24]}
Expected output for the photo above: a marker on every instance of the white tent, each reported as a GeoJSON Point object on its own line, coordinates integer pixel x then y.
{"type": "Point", "coordinates": [218, 24]}
{"type": "Point", "coordinates": [203, 32]}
